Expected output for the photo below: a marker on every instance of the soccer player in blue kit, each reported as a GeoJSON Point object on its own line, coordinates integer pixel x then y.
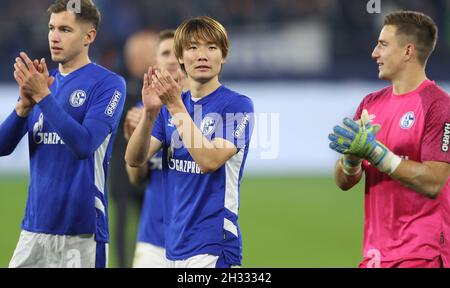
{"type": "Point", "coordinates": [71, 115]}
{"type": "Point", "coordinates": [150, 252]}
{"type": "Point", "coordinates": [205, 135]}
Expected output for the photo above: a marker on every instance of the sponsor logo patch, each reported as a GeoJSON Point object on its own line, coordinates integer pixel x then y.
{"type": "Point", "coordinates": [241, 127]}
{"type": "Point", "coordinates": [47, 138]}
{"type": "Point", "coordinates": [112, 106]}
{"type": "Point", "coordinates": [445, 137]}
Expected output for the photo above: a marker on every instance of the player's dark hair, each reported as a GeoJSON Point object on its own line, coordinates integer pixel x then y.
{"type": "Point", "coordinates": [88, 11]}
{"type": "Point", "coordinates": [417, 28]}
{"type": "Point", "coordinates": [166, 34]}
{"type": "Point", "coordinates": [200, 28]}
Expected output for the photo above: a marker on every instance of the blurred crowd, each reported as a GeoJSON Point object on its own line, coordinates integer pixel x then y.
{"type": "Point", "coordinates": [23, 23]}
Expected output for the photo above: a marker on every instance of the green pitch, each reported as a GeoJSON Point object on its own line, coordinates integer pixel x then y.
{"type": "Point", "coordinates": [285, 222]}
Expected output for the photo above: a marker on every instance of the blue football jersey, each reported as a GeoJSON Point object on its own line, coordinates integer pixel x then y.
{"type": "Point", "coordinates": [151, 223]}
{"type": "Point", "coordinates": [201, 210]}
{"type": "Point", "coordinates": [67, 195]}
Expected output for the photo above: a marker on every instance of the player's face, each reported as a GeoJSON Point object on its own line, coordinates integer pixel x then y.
{"type": "Point", "coordinates": [388, 53]}
{"type": "Point", "coordinates": [67, 37]}
{"type": "Point", "coordinates": [165, 57]}
{"type": "Point", "coordinates": [202, 60]}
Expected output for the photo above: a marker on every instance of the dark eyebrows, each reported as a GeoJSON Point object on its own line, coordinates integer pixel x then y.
{"type": "Point", "coordinates": [61, 27]}
{"type": "Point", "coordinates": [65, 27]}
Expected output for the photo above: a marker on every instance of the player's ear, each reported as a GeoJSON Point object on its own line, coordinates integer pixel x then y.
{"type": "Point", "coordinates": [410, 51]}
{"type": "Point", "coordinates": [180, 61]}
{"type": "Point", "coordinates": [90, 37]}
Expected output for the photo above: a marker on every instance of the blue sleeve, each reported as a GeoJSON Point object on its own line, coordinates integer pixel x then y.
{"type": "Point", "coordinates": [109, 101]}
{"type": "Point", "coordinates": [139, 104]}
{"type": "Point", "coordinates": [237, 122]}
{"type": "Point", "coordinates": [158, 127]}
{"type": "Point", "coordinates": [11, 132]}
{"type": "Point", "coordinates": [101, 119]}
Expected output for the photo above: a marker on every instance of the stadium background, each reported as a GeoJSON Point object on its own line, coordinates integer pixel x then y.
{"type": "Point", "coordinates": [305, 63]}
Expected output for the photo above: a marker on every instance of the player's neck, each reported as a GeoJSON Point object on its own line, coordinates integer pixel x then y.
{"type": "Point", "coordinates": [74, 64]}
{"type": "Point", "coordinates": [200, 90]}
{"type": "Point", "coordinates": [409, 80]}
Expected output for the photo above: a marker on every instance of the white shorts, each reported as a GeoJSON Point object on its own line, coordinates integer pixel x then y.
{"type": "Point", "coordinates": [149, 256]}
{"type": "Point", "coordinates": [201, 261]}
{"type": "Point", "coordinates": [37, 250]}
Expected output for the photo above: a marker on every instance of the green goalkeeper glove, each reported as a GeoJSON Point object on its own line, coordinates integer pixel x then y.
{"type": "Point", "coordinates": [358, 140]}
{"type": "Point", "coordinates": [351, 165]}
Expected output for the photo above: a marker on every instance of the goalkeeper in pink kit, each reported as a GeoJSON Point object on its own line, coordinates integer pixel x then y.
{"type": "Point", "coordinates": [399, 138]}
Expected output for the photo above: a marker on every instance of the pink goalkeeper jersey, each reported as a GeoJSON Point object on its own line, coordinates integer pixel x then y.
{"type": "Point", "coordinates": [401, 223]}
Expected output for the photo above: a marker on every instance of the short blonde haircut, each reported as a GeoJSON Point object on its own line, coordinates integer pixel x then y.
{"type": "Point", "coordinates": [200, 28]}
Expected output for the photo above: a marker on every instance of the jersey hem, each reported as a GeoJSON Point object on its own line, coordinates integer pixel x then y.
{"type": "Point", "coordinates": [215, 252]}
{"type": "Point", "coordinates": [408, 257]}
{"type": "Point", "coordinates": [61, 233]}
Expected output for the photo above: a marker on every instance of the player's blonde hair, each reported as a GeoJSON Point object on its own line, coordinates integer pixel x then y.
{"type": "Point", "coordinates": [200, 28]}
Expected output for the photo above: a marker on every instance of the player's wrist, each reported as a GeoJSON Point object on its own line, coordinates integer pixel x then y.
{"type": "Point", "coordinates": [151, 113]}
{"type": "Point", "coordinates": [350, 169]}
{"type": "Point", "coordinates": [23, 111]}
{"type": "Point", "coordinates": [38, 97]}
{"type": "Point", "coordinates": [390, 163]}
{"type": "Point", "coordinates": [384, 159]}
{"type": "Point", "coordinates": [351, 160]}
{"type": "Point", "coordinates": [176, 107]}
